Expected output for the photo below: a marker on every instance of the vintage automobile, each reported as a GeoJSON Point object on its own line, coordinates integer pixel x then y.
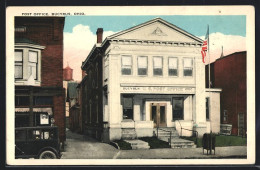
{"type": "Point", "coordinates": [37, 142]}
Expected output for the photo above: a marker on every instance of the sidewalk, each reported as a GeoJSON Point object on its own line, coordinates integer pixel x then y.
{"type": "Point", "coordinates": [83, 147]}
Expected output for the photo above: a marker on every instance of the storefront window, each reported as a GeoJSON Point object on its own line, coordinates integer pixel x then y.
{"type": "Point", "coordinates": [157, 66]}
{"type": "Point", "coordinates": [22, 101]}
{"type": "Point", "coordinates": [42, 100]}
{"type": "Point", "coordinates": [187, 66]}
{"type": "Point", "coordinates": [177, 113]}
{"type": "Point", "coordinates": [126, 65]}
{"type": "Point", "coordinates": [142, 65]}
{"type": "Point", "coordinates": [173, 66]}
{"type": "Point", "coordinates": [127, 107]}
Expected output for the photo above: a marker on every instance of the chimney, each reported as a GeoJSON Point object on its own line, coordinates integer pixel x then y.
{"type": "Point", "coordinates": [99, 35]}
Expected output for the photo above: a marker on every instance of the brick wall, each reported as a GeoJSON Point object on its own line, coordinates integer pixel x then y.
{"type": "Point", "coordinates": [59, 116]}
{"type": "Point", "coordinates": [230, 75]}
{"type": "Point", "coordinates": [48, 32]}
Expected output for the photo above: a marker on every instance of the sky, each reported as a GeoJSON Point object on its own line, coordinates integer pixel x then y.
{"type": "Point", "coordinates": [80, 33]}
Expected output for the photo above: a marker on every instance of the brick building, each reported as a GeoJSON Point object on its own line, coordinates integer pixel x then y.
{"type": "Point", "coordinates": [39, 92]}
{"type": "Point", "coordinates": [229, 74]}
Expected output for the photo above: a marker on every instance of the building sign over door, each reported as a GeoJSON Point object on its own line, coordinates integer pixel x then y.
{"type": "Point", "coordinates": [157, 89]}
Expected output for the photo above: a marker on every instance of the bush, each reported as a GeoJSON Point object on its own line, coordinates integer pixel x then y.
{"type": "Point", "coordinates": [123, 145]}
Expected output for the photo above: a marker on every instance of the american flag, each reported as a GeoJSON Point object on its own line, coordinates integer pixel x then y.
{"type": "Point", "coordinates": [204, 48]}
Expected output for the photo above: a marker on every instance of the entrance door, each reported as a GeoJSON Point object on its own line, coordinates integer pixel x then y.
{"type": "Point", "coordinates": [158, 114]}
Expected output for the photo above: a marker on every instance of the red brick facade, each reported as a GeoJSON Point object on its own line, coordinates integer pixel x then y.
{"type": "Point", "coordinates": [48, 32]}
{"type": "Point", "coordinates": [229, 74]}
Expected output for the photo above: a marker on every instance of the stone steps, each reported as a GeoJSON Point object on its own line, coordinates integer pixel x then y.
{"type": "Point", "coordinates": [176, 142]}
{"type": "Point", "coordinates": [138, 144]}
{"type": "Point", "coordinates": [182, 143]}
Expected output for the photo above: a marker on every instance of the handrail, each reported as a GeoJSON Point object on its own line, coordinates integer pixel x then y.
{"type": "Point", "coordinates": [170, 139]}
{"type": "Point", "coordinates": [197, 134]}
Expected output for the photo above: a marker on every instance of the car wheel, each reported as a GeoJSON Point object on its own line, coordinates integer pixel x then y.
{"type": "Point", "coordinates": [47, 155]}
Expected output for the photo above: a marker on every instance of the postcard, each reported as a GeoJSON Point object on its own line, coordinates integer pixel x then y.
{"type": "Point", "coordinates": [130, 85]}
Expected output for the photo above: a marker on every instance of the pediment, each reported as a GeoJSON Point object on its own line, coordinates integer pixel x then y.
{"type": "Point", "coordinates": [156, 30]}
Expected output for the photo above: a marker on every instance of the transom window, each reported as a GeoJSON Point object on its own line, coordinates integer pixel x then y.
{"type": "Point", "coordinates": [187, 66]}
{"type": "Point", "coordinates": [157, 66]}
{"type": "Point", "coordinates": [18, 73]}
{"type": "Point", "coordinates": [142, 65]}
{"type": "Point", "coordinates": [126, 67]}
{"type": "Point", "coordinates": [173, 66]}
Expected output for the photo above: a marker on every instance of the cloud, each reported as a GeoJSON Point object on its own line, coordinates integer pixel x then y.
{"type": "Point", "coordinates": [230, 43]}
{"type": "Point", "coordinates": [79, 43]}
{"type": "Point", "coordinates": [77, 46]}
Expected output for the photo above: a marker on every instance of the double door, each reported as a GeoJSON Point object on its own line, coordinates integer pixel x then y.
{"type": "Point", "coordinates": [158, 114]}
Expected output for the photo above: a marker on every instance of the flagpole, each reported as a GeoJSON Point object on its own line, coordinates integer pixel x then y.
{"type": "Point", "coordinates": [209, 98]}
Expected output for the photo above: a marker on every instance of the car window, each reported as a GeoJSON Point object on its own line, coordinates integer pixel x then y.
{"type": "Point", "coordinates": [20, 135]}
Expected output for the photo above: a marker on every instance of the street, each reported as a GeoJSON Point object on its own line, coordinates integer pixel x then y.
{"type": "Point", "coordinates": [83, 147]}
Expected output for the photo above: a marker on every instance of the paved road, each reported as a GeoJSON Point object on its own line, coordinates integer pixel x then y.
{"type": "Point", "coordinates": [82, 147]}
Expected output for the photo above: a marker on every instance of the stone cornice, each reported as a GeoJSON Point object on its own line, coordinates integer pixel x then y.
{"type": "Point", "coordinates": [155, 42]}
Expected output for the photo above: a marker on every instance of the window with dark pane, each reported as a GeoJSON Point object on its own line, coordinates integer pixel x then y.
{"type": "Point", "coordinates": [173, 66]}
{"type": "Point", "coordinates": [187, 66]}
{"type": "Point", "coordinates": [157, 66]}
{"type": "Point", "coordinates": [22, 100]}
{"type": "Point", "coordinates": [42, 100]}
{"type": "Point", "coordinates": [126, 65]}
{"type": "Point", "coordinates": [142, 65]}
{"type": "Point", "coordinates": [127, 107]}
{"type": "Point", "coordinates": [177, 106]}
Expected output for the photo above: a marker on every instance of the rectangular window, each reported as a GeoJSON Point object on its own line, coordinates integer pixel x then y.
{"type": "Point", "coordinates": [22, 101]}
{"type": "Point", "coordinates": [207, 108]}
{"type": "Point", "coordinates": [187, 66]}
{"type": "Point", "coordinates": [157, 66]}
{"type": "Point", "coordinates": [177, 109]}
{"type": "Point", "coordinates": [126, 65]}
{"type": "Point", "coordinates": [127, 107]}
{"type": "Point", "coordinates": [33, 64]}
{"type": "Point", "coordinates": [173, 66]}
{"type": "Point", "coordinates": [18, 72]}
{"type": "Point", "coordinates": [142, 65]}
{"type": "Point", "coordinates": [42, 100]}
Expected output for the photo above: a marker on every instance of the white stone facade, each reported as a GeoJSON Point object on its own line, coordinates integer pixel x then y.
{"type": "Point", "coordinates": [155, 96]}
